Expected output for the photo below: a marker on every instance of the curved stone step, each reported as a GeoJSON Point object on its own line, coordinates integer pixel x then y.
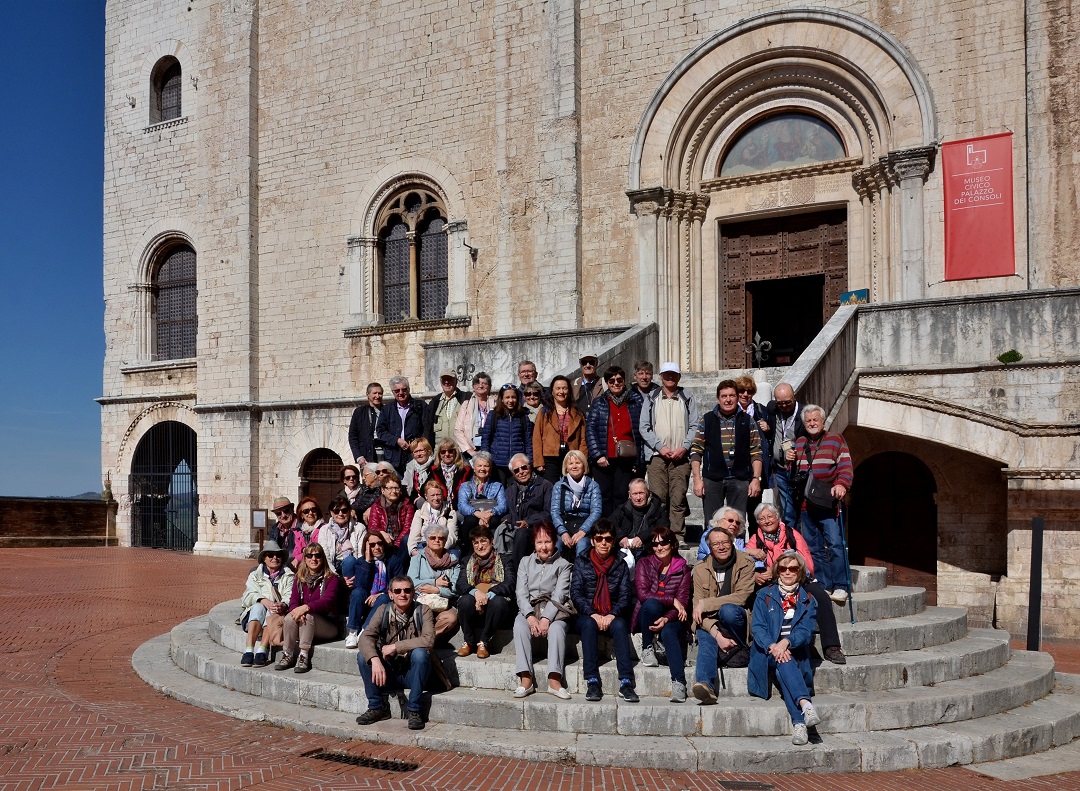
{"type": "Point", "coordinates": [1023, 680]}
{"type": "Point", "coordinates": [901, 643]}
{"type": "Point", "coordinates": [1052, 721]}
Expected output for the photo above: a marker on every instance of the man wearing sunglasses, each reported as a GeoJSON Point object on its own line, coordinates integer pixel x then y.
{"type": "Point", "coordinates": [395, 653]}
{"type": "Point", "coordinates": [528, 499]}
{"type": "Point", "coordinates": [441, 412]}
{"type": "Point", "coordinates": [602, 590]}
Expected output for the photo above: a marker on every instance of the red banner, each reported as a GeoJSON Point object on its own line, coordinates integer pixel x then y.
{"type": "Point", "coordinates": [978, 207]}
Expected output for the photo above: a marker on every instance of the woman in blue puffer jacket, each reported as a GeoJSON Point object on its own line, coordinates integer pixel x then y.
{"type": "Point", "coordinates": [508, 433]}
{"type": "Point", "coordinates": [575, 504]}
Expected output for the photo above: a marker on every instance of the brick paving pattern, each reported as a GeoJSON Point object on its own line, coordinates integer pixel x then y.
{"type": "Point", "coordinates": [74, 715]}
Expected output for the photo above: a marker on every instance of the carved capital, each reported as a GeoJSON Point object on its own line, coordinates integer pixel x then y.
{"type": "Point", "coordinates": [360, 241]}
{"type": "Point", "coordinates": [911, 163]}
{"type": "Point", "coordinates": [654, 200]}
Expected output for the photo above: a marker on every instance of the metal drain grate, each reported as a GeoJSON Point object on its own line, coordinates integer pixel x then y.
{"type": "Point", "coordinates": [747, 785]}
{"type": "Point", "coordinates": [389, 764]}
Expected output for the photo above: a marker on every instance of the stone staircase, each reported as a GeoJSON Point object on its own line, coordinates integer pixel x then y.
{"type": "Point", "coordinates": [920, 690]}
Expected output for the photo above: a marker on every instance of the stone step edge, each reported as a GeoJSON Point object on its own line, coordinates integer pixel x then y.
{"type": "Point", "coordinates": [1046, 724]}
{"type": "Point", "coordinates": [881, 710]}
{"type": "Point", "coordinates": [983, 650]}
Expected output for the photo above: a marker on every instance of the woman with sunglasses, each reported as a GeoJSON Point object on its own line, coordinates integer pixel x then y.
{"type": "Point", "coordinates": [662, 582]}
{"type": "Point", "coordinates": [392, 514]}
{"type": "Point", "coordinates": [508, 432]}
{"type": "Point", "coordinates": [450, 470]}
{"type": "Point", "coordinates": [351, 485]}
{"type": "Point", "coordinates": [560, 428]}
{"type": "Point", "coordinates": [615, 447]}
{"type": "Point", "coordinates": [783, 630]}
{"type": "Point", "coordinates": [311, 518]}
{"type": "Point", "coordinates": [340, 534]}
{"type": "Point", "coordinates": [366, 576]}
{"type": "Point", "coordinates": [434, 570]}
{"type": "Point", "coordinates": [265, 602]}
{"type": "Point", "coordinates": [533, 396]}
{"type": "Point", "coordinates": [313, 610]}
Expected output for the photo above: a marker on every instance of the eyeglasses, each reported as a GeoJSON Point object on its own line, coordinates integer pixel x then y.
{"type": "Point", "coordinates": [283, 512]}
{"type": "Point", "coordinates": [522, 468]}
{"type": "Point", "coordinates": [720, 544]}
{"type": "Point", "coordinates": [402, 591]}
{"type": "Point", "coordinates": [604, 539]}
{"type": "Point", "coordinates": [745, 390]}
{"type": "Point", "coordinates": [350, 477]}
{"type": "Point", "coordinates": [309, 510]}
{"type": "Point", "coordinates": [339, 510]}
{"type": "Point", "coordinates": [436, 538]}
{"type": "Point", "coordinates": [788, 568]}
{"type": "Point", "coordinates": [400, 390]}
{"type": "Point", "coordinates": [394, 488]}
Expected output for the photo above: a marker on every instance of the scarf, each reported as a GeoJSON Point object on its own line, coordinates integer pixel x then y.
{"type": "Point", "coordinates": [577, 491]}
{"type": "Point", "coordinates": [307, 529]}
{"type": "Point", "coordinates": [602, 598]}
{"type": "Point", "coordinates": [393, 521]}
{"type": "Point", "coordinates": [429, 517]}
{"type": "Point", "coordinates": [725, 569]}
{"type": "Point", "coordinates": [439, 563]}
{"type": "Point", "coordinates": [448, 472]}
{"type": "Point", "coordinates": [489, 569]}
{"type": "Point", "coordinates": [350, 494]}
{"type": "Point", "coordinates": [421, 474]}
{"type": "Point", "coordinates": [619, 400]}
{"type": "Point", "coordinates": [791, 596]}
{"type": "Point", "coordinates": [772, 538]}
{"type": "Point", "coordinates": [378, 585]}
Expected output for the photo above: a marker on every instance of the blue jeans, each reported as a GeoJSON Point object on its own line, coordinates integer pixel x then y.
{"type": "Point", "coordinates": [732, 619]}
{"type": "Point", "coordinates": [651, 609]}
{"type": "Point", "coordinates": [821, 529]}
{"type": "Point", "coordinates": [620, 636]}
{"type": "Point", "coordinates": [413, 680]}
{"type": "Point", "coordinates": [583, 546]}
{"type": "Point", "coordinates": [781, 484]}
{"type": "Point", "coordinates": [792, 687]}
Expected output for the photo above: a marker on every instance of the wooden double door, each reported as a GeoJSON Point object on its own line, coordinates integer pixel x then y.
{"type": "Point", "coordinates": [782, 278]}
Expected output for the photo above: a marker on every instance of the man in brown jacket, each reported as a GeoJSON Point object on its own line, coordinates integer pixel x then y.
{"type": "Point", "coordinates": [395, 653]}
{"type": "Point", "coordinates": [723, 585]}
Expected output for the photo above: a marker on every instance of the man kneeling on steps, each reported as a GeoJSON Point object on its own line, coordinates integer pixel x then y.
{"type": "Point", "coordinates": [395, 653]}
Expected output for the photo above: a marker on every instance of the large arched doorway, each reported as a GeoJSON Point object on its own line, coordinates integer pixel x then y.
{"type": "Point", "coordinates": [893, 520]}
{"type": "Point", "coordinates": [164, 494]}
{"type": "Point", "coordinates": [320, 476]}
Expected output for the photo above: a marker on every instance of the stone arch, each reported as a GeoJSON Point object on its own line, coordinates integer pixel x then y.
{"type": "Point", "coordinates": [361, 255]}
{"type": "Point", "coordinates": [830, 64]}
{"type": "Point", "coordinates": [176, 49]}
{"type": "Point", "coordinates": [158, 412]}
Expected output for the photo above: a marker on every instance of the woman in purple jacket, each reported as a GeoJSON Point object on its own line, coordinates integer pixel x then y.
{"type": "Point", "coordinates": [313, 610]}
{"type": "Point", "coordinates": [662, 580]}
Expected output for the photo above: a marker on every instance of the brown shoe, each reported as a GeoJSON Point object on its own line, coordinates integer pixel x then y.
{"type": "Point", "coordinates": [481, 651]}
{"type": "Point", "coordinates": [465, 650]}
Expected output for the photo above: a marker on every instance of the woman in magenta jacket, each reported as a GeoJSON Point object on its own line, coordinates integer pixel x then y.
{"type": "Point", "coordinates": [313, 610]}
{"type": "Point", "coordinates": [662, 580]}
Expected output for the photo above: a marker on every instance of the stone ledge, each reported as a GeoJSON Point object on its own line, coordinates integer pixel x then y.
{"type": "Point", "coordinates": [160, 365]}
{"type": "Point", "coordinates": [408, 326]}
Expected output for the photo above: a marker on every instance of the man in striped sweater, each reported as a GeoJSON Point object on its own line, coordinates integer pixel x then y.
{"type": "Point", "coordinates": [825, 455]}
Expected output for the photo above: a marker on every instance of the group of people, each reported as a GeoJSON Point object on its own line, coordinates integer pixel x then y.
{"type": "Point", "coordinates": [489, 512]}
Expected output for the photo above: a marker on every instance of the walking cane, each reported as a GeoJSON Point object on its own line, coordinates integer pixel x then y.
{"type": "Point", "coordinates": [847, 561]}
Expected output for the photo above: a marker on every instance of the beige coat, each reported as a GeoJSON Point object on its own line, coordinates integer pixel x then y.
{"type": "Point", "coordinates": [707, 591]}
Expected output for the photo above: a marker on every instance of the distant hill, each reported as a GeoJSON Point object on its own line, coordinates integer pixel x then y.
{"type": "Point", "coordinates": [84, 496]}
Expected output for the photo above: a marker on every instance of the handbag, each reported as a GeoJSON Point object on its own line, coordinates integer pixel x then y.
{"type": "Point", "coordinates": [433, 601]}
{"type": "Point", "coordinates": [816, 491]}
{"type": "Point", "coordinates": [624, 448]}
{"type": "Point", "coordinates": [564, 610]}
{"type": "Point", "coordinates": [483, 503]}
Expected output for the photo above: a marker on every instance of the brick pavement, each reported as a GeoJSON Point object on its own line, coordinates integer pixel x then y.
{"type": "Point", "coordinates": [73, 714]}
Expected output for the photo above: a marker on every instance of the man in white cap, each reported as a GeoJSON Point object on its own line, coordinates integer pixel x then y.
{"type": "Point", "coordinates": [668, 425]}
{"type": "Point", "coordinates": [442, 410]}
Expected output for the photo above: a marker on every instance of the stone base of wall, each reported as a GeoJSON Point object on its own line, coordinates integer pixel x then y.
{"type": "Point", "coordinates": [51, 521]}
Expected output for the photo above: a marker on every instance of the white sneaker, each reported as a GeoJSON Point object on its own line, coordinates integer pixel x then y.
{"type": "Point", "coordinates": [810, 716]}
{"type": "Point", "coordinates": [352, 640]}
{"type": "Point", "coordinates": [839, 596]}
{"type": "Point", "coordinates": [799, 736]}
{"type": "Point", "coordinates": [648, 657]}
{"type": "Point", "coordinates": [678, 692]}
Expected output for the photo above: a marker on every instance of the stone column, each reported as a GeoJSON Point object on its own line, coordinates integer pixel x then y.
{"type": "Point", "coordinates": [909, 169]}
{"type": "Point", "coordinates": [361, 266]}
{"type": "Point", "coordinates": [652, 208]}
{"type": "Point", "coordinates": [459, 258]}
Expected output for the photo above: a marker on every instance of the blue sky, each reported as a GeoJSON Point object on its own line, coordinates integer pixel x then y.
{"type": "Point", "coordinates": [51, 339]}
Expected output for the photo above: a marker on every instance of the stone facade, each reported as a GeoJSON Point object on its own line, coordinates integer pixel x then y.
{"type": "Point", "coordinates": [573, 147]}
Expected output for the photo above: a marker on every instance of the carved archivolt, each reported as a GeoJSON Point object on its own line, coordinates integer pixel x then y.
{"type": "Point", "coordinates": [183, 413]}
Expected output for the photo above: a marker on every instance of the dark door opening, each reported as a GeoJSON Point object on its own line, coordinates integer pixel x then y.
{"type": "Point", "coordinates": [320, 476]}
{"type": "Point", "coordinates": [787, 313]}
{"type": "Point", "coordinates": [163, 489]}
{"type": "Point", "coordinates": [892, 521]}
{"type": "Point", "coordinates": [803, 249]}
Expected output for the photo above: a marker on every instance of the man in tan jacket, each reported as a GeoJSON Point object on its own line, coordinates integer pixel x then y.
{"type": "Point", "coordinates": [395, 653]}
{"type": "Point", "coordinates": [723, 585]}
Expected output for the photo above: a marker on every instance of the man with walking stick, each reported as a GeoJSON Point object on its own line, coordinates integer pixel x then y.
{"type": "Point", "coordinates": [821, 476]}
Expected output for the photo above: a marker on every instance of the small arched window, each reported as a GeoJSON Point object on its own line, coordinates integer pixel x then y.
{"type": "Point", "coordinates": [165, 91]}
{"type": "Point", "coordinates": [175, 310]}
{"type": "Point", "coordinates": [413, 257]}
{"type": "Point", "coordinates": [782, 141]}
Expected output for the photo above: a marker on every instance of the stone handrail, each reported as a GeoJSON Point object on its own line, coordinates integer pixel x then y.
{"type": "Point", "coordinates": [825, 372]}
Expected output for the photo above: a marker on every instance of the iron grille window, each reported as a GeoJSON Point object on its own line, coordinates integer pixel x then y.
{"type": "Point", "coordinates": [321, 476]}
{"type": "Point", "coordinates": [176, 310]}
{"type": "Point", "coordinates": [413, 257]}
{"type": "Point", "coordinates": [163, 488]}
{"type": "Point", "coordinates": [434, 281]}
{"type": "Point", "coordinates": [395, 274]}
{"type": "Point", "coordinates": [165, 99]}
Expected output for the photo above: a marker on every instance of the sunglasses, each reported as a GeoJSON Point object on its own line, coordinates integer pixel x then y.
{"type": "Point", "coordinates": [339, 511]}
{"type": "Point", "coordinates": [604, 539]}
{"type": "Point", "coordinates": [350, 477]}
{"type": "Point", "coordinates": [309, 511]}
{"type": "Point", "coordinates": [522, 468]}
{"type": "Point", "coordinates": [448, 453]}
{"type": "Point", "coordinates": [400, 390]}
{"type": "Point", "coordinates": [318, 555]}
{"type": "Point", "coordinates": [402, 591]}
{"type": "Point", "coordinates": [283, 511]}
{"type": "Point", "coordinates": [660, 543]}
{"type": "Point", "coordinates": [506, 387]}
{"type": "Point", "coordinates": [616, 380]}
{"type": "Point", "coordinates": [788, 568]}
{"type": "Point", "coordinates": [436, 538]}
{"type": "Point", "coordinates": [745, 390]}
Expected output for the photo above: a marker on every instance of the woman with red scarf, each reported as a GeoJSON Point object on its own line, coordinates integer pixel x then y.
{"type": "Point", "coordinates": [603, 593]}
